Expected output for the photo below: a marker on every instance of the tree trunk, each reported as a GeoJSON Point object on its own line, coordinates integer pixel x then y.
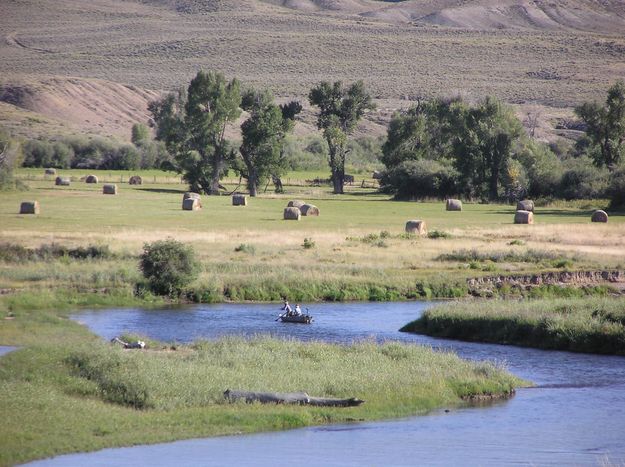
{"type": "Point", "coordinates": [216, 175]}
{"type": "Point", "coordinates": [337, 166]}
{"type": "Point", "coordinates": [337, 182]}
{"type": "Point", "coordinates": [252, 182]}
{"type": "Point", "coordinates": [290, 398]}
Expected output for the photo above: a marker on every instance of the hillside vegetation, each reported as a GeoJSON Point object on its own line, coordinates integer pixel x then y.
{"type": "Point", "coordinates": [54, 54]}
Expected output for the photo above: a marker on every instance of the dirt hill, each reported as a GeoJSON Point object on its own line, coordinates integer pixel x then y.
{"type": "Point", "coordinates": [89, 105]}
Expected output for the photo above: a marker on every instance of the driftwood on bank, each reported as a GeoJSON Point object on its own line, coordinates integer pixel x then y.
{"type": "Point", "coordinates": [289, 398]}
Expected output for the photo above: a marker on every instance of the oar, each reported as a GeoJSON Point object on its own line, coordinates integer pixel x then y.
{"type": "Point", "coordinates": [281, 316]}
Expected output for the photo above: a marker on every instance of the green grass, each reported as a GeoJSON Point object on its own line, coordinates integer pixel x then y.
{"type": "Point", "coordinates": [595, 325]}
{"type": "Point", "coordinates": [79, 397]}
{"type": "Point", "coordinates": [360, 252]}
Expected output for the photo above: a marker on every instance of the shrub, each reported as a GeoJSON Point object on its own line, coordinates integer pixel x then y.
{"type": "Point", "coordinates": [438, 234]}
{"type": "Point", "coordinates": [308, 243]}
{"type": "Point", "coordinates": [420, 179]}
{"type": "Point", "coordinates": [582, 180]}
{"type": "Point", "coordinates": [245, 248]}
{"type": "Point", "coordinates": [168, 265]}
{"type": "Point", "coordinates": [616, 189]}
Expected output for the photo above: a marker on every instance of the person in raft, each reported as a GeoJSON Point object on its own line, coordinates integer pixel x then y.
{"type": "Point", "coordinates": [287, 308]}
{"type": "Point", "coordinates": [298, 310]}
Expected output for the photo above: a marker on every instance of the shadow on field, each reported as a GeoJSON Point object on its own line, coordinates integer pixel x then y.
{"type": "Point", "coordinates": [162, 190]}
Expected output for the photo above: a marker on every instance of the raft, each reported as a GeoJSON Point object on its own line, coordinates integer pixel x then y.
{"type": "Point", "coordinates": [303, 319]}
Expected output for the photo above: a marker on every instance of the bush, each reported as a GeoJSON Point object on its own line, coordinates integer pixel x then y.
{"type": "Point", "coordinates": [582, 180]}
{"type": "Point", "coordinates": [420, 179]}
{"type": "Point", "coordinates": [168, 266]}
{"type": "Point", "coordinates": [616, 189]}
{"type": "Point", "coordinates": [245, 248]}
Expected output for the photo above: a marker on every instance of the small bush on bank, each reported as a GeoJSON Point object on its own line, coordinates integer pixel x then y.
{"type": "Point", "coordinates": [434, 234]}
{"type": "Point", "coordinates": [169, 266]}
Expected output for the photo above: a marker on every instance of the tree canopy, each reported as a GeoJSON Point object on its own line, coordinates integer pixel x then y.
{"type": "Point", "coordinates": [605, 126]}
{"type": "Point", "coordinates": [193, 122]}
{"type": "Point", "coordinates": [340, 109]}
{"type": "Point", "coordinates": [476, 141]}
{"type": "Point", "coordinates": [263, 137]}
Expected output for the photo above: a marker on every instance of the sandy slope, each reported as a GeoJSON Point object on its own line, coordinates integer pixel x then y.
{"type": "Point", "coordinates": [91, 105]}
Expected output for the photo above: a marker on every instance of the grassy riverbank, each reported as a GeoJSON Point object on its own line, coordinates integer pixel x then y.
{"type": "Point", "coordinates": [594, 325]}
{"type": "Point", "coordinates": [85, 395]}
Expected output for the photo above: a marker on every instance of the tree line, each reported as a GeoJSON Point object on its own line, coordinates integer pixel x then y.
{"type": "Point", "coordinates": [449, 147]}
{"type": "Point", "coordinates": [439, 148]}
{"type": "Point", "coordinates": [192, 122]}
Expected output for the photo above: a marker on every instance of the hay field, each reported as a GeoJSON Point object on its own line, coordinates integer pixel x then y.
{"type": "Point", "coordinates": [72, 61]}
{"type": "Point", "coordinates": [358, 238]}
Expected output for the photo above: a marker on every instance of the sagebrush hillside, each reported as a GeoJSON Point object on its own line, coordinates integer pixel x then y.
{"type": "Point", "coordinates": [554, 54]}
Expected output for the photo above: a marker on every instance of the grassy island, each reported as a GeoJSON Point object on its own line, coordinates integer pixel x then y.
{"type": "Point", "coordinates": [60, 398]}
{"type": "Point", "coordinates": [592, 324]}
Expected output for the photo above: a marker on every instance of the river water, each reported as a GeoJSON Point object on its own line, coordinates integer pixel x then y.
{"type": "Point", "coordinates": [574, 416]}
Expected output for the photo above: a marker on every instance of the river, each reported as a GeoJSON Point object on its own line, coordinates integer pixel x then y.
{"type": "Point", "coordinates": [574, 416]}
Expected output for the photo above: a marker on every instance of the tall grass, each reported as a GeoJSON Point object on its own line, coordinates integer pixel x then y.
{"type": "Point", "coordinates": [595, 325]}
{"type": "Point", "coordinates": [99, 395]}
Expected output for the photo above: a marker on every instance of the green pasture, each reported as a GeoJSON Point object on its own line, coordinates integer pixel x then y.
{"type": "Point", "coordinates": [82, 207]}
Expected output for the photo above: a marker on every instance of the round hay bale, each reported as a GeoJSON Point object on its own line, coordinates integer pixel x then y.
{"type": "Point", "coordinates": [599, 216]}
{"type": "Point", "coordinates": [91, 179]}
{"type": "Point", "coordinates": [29, 207]}
{"type": "Point", "coordinates": [309, 210]}
{"type": "Point", "coordinates": [525, 205]}
{"type": "Point", "coordinates": [109, 189]}
{"type": "Point", "coordinates": [296, 203]}
{"type": "Point", "coordinates": [61, 181]}
{"type": "Point", "coordinates": [417, 227]}
{"type": "Point", "coordinates": [191, 204]}
{"type": "Point", "coordinates": [453, 205]}
{"type": "Point", "coordinates": [135, 180]}
{"type": "Point", "coordinates": [50, 172]}
{"type": "Point", "coordinates": [190, 194]}
{"type": "Point", "coordinates": [377, 175]}
{"type": "Point", "coordinates": [239, 200]}
{"type": "Point", "coordinates": [523, 217]}
{"type": "Point", "coordinates": [292, 213]}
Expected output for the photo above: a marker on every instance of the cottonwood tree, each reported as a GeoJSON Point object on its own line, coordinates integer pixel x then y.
{"type": "Point", "coordinates": [605, 126]}
{"type": "Point", "coordinates": [483, 145]}
{"type": "Point", "coordinates": [476, 140]}
{"type": "Point", "coordinates": [192, 123]}
{"type": "Point", "coordinates": [9, 154]}
{"type": "Point", "coordinates": [263, 137]}
{"type": "Point", "coordinates": [340, 109]}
